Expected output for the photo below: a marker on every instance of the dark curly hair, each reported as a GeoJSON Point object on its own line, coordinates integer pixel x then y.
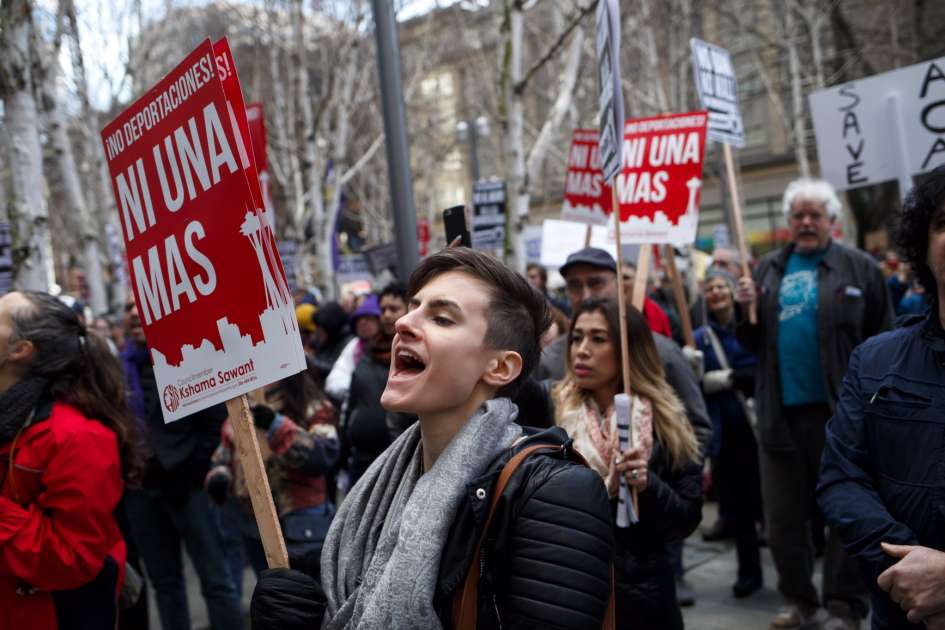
{"type": "Point", "coordinates": [912, 232]}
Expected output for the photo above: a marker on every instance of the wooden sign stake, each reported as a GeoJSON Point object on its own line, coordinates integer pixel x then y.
{"type": "Point", "coordinates": [639, 281]}
{"type": "Point", "coordinates": [681, 305]}
{"type": "Point", "coordinates": [244, 433]}
{"type": "Point", "coordinates": [624, 337]}
{"type": "Point", "coordinates": [737, 223]}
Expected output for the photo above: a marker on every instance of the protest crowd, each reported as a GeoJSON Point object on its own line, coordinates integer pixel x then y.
{"type": "Point", "coordinates": [477, 441]}
{"type": "Point", "coordinates": [816, 425]}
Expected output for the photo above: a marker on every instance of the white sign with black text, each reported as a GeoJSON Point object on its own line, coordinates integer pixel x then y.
{"type": "Point", "coordinates": [488, 217]}
{"type": "Point", "coordinates": [883, 127]}
{"type": "Point", "coordinates": [718, 92]}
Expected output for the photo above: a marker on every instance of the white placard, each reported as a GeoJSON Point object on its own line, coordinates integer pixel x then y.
{"type": "Point", "coordinates": [883, 127]}
{"type": "Point", "coordinates": [718, 91]}
{"type": "Point", "coordinates": [559, 239]}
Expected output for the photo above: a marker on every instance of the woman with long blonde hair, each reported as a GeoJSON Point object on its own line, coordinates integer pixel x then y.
{"type": "Point", "coordinates": [664, 466]}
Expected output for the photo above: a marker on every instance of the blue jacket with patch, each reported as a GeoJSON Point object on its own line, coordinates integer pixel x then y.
{"type": "Point", "coordinates": [882, 475]}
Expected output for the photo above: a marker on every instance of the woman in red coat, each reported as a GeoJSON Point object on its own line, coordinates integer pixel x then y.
{"type": "Point", "coordinates": [66, 449]}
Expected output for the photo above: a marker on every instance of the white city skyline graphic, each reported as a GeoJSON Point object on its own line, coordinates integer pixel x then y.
{"type": "Point", "coordinates": [277, 355]}
{"type": "Point", "coordinates": [641, 230]}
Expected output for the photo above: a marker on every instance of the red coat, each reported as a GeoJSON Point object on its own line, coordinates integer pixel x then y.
{"type": "Point", "coordinates": [656, 318]}
{"type": "Point", "coordinates": [56, 523]}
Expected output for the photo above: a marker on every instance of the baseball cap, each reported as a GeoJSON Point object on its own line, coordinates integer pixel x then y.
{"type": "Point", "coordinates": [592, 256]}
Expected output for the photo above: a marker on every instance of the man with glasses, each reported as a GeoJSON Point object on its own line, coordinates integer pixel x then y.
{"type": "Point", "coordinates": [816, 301]}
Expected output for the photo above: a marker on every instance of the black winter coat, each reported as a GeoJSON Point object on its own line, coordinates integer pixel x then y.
{"type": "Point", "coordinates": [366, 425]}
{"type": "Point", "coordinates": [179, 452]}
{"type": "Point", "coordinates": [545, 564]}
{"type": "Point", "coordinates": [670, 510]}
{"type": "Point", "coordinates": [852, 305]}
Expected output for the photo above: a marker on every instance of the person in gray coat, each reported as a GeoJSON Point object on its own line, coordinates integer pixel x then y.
{"type": "Point", "coordinates": [816, 301]}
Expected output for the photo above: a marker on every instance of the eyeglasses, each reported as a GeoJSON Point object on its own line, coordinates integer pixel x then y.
{"type": "Point", "coordinates": [593, 284]}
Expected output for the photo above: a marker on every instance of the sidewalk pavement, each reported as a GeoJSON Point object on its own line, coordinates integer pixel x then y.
{"type": "Point", "coordinates": [710, 569]}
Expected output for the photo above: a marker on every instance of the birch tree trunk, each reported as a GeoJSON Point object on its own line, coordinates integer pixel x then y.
{"type": "Point", "coordinates": [100, 201]}
{"type": "Point", "coordinates": [521, 169]}
{"type": "Point", "coordinates": [515, 136]}
{"type": "Point", "coordinates": [797, 92]}
{"type": "Point", "coordinates": [284, 158]}
{"type": "Point", "coordinates": [32, 248]}
{"type": "Point", "coordinates": [79, 212]}
{"type": "Point", "coordinates": [314, 210]}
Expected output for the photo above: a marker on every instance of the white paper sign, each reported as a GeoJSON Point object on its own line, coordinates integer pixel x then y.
{"type": "Point", "coordinates": [559, 239]}
{"type": "Point", "coordinates": [610, 98]}
{"type": "Point", "coordinates": [887, 126]}
{"type": "Point", "coordinates": [718, 92]}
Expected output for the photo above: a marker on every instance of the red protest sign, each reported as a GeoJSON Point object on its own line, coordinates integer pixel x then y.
{"type": "Point", "coordinates": [210, 289]}
{"type": "Point", "coordinates": [658, 188]}
{"type": "Point", "coordinates": [587, 196]}
{"type": "Point", "coordinates": [256, 116]}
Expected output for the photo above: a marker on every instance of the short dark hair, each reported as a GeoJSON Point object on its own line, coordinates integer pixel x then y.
{"type": "Point", "coordinates": [912, 233]}
{"type": "Point", "coordinates": [395, 289]}
{"type": "Point", "coordinates": [541, 270]}
{"type": "Point", "coordinates": [518, 314]}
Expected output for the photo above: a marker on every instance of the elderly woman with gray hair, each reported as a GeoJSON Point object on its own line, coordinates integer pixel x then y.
{"type": "Point", "coordinates": [727, 385]}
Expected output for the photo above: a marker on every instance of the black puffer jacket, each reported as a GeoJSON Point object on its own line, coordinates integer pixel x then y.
{"type": "Point", "coordinates": [546, 563]}
{"type": "Point", "coordinates": [366, 434]}
{"type": "Point", "coordinates": [670, 510]}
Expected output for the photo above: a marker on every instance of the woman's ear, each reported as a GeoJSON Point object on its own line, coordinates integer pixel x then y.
{"type": "Point", "coordinates": [503, 369]}
{"type": "Point", "coordinates": [21, 351]}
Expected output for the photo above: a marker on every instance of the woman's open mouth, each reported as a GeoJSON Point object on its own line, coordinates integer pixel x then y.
{"type": "Point", "coordinates": [407, 364]}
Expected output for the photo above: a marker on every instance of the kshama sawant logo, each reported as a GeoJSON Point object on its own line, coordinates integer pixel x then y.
{"type": "Point", "coordinates": [173, 396]}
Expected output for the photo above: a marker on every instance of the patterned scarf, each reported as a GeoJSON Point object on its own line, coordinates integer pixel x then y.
{"type": "Point", "coordinates": [603, 435]}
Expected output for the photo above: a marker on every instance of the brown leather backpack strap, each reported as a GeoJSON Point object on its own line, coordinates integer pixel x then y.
{"type": "Point", "coordinates": [465, 601]}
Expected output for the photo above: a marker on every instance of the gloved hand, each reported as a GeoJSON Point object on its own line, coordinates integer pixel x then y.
{"type": "Point", "coordinates": [263, 416]}
{"type": "Point", "coordinates": [285, 599]}
{"type": "Point", "coordinates": [716, 381]}
{"type": "Point", "coordinates": [218, 487]}
{"type": "Point", "coordinates": [696, 360]}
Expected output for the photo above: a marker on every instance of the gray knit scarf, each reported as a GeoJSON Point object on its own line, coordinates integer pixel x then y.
{"type": "Point", "coordinates": [381, 558]}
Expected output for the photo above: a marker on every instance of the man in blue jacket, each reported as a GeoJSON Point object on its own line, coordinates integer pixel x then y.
{"type": "Point", "coordinates": [882, 478]}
